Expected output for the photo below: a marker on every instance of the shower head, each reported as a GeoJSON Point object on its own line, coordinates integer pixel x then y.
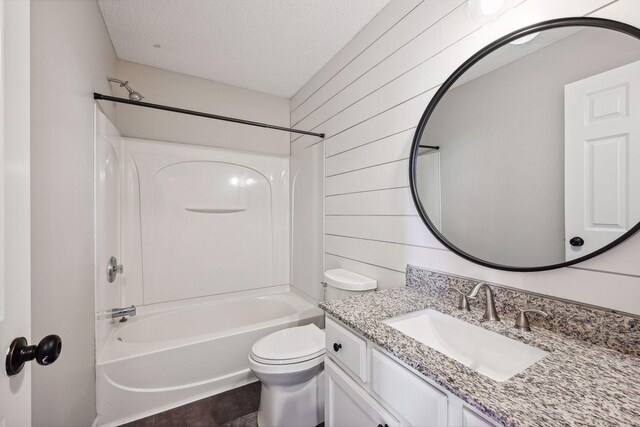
{"type": "Point", "coordinates": [133, 95]}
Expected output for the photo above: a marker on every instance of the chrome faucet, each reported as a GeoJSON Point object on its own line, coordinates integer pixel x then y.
{"type": "Point", "coordinates": [490, 312]}
{"type": "Point", "coordinates": [123, 313]}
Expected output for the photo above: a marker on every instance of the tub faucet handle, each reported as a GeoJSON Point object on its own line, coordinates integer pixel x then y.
{"type": "Point", "coordinates": [113, 269]}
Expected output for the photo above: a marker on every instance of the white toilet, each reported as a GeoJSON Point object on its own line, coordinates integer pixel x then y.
{"type": "Point", "coordinates": [343, 283]}
{"type": "Point", "coordinates": [289, 363]}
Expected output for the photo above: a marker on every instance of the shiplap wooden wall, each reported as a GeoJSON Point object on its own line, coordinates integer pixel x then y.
{"type": "Point", "coordinates": [368, 100]}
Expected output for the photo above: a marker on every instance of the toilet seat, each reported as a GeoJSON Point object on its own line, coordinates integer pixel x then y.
{"type": "Point", "coordinates": [289, 346]}
{"type": "Point", "coordinates": [287, 361]}
{"type": "Point", "coordinates": [291, 368]}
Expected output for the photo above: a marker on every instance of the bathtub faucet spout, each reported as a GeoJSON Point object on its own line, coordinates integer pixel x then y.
{"type": "Point", "coordinates": [121, 312]}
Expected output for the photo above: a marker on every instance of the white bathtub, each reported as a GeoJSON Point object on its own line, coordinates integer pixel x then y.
{"type": "Point", "coordinates": [174, 353]}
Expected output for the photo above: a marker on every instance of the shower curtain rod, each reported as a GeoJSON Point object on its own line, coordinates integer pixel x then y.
{"type": "Point", "coordinates": [99, 96]}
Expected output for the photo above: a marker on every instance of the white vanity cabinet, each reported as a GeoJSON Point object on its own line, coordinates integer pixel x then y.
{"type": "Point", "coordinates": [366, 387]}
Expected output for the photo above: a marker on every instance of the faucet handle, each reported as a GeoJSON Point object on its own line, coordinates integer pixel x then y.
{"type": "Point", "coordinates": [522, 321]}
{"type": "Point", "coordinates": [463, 302]}
{"type": "Point", "coordinates": [113, 268]}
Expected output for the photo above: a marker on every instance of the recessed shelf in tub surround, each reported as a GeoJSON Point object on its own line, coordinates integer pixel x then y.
{"type": "Point", "coordinates": [616, 331]}
{"type": "Point", "coordinates": [215, 210]}
{"type": "Point", "coordinates": [577, 383]}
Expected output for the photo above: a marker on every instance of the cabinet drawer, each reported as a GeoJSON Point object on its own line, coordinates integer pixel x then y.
{"type": "Point", "coordinates": [345, 347]}
{"type": "Point", "coordinates": [415, 400]}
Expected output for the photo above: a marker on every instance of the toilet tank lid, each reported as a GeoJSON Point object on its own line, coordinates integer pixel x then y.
{"type": "Point", "coordinates": [348, 280]}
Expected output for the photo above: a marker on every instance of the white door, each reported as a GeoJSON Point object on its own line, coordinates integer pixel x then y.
{"type": "Point", "coordinates": [15, 281]}
{"type": "Point", "coordinates": [346, 404]}
{"type": "Point", "coordinates": [602, 159]}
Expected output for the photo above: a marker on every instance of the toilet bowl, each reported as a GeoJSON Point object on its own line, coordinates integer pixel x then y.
{"type": "Point", "coordinates": [290, 365]}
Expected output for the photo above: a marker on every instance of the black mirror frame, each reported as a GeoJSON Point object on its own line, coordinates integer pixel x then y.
{"type": "Point", "coordinates": [542, 26]}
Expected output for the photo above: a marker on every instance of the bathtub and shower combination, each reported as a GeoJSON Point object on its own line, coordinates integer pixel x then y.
{"type": "Point", "coordinates": [203, 236]}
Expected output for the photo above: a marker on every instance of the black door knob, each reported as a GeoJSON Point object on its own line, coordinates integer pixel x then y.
{"type": "Point", "coordinates": [20, 352]}
{"type": "Point", "coordinates": [336, 346]}
{"type": "Point", "coordinates": [576, 241]}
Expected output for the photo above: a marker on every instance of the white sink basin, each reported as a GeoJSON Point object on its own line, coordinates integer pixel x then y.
{"type": "Point", "coordinates": [486, 352]}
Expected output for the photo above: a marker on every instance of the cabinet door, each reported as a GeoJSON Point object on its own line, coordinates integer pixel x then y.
{"type": "Point", "coordinates": [471, 419]}
{"type": "Point", "coordinates": [412, 398]}
{"type": "Point", "coordinates": [348, 405]}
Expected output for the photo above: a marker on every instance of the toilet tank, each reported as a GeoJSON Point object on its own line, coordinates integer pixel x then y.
{"type": "Point", "coordinates": [342, 283]}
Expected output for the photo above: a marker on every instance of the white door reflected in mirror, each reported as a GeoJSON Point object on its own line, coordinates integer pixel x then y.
{"type": "Point", "coordinates": [602, 158]}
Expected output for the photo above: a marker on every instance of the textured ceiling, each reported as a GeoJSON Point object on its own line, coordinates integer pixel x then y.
{"type": "Point", "coordinates": [273, 46]}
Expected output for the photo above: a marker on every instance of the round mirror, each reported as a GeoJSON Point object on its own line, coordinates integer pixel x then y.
{"type": "Point", "coordinates": [528, 156]}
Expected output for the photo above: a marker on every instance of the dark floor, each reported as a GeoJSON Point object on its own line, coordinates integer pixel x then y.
{"type": "Point", "coordinates": [233, 408]}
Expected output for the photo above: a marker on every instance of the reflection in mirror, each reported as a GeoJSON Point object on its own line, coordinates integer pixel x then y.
{"type": "Point", "coordinates": [532, 157]}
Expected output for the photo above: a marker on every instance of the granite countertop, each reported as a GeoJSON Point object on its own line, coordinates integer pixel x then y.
{"type": "Point", "coordinates": [577, 384]}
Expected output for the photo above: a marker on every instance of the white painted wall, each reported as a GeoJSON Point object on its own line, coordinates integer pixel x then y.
{"type": "Point", "coordinates": [71, 55]}
{"type": "Point", "coordinates": [194, 93]}
{"type": "Point", "coordinates": [368, 100]}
